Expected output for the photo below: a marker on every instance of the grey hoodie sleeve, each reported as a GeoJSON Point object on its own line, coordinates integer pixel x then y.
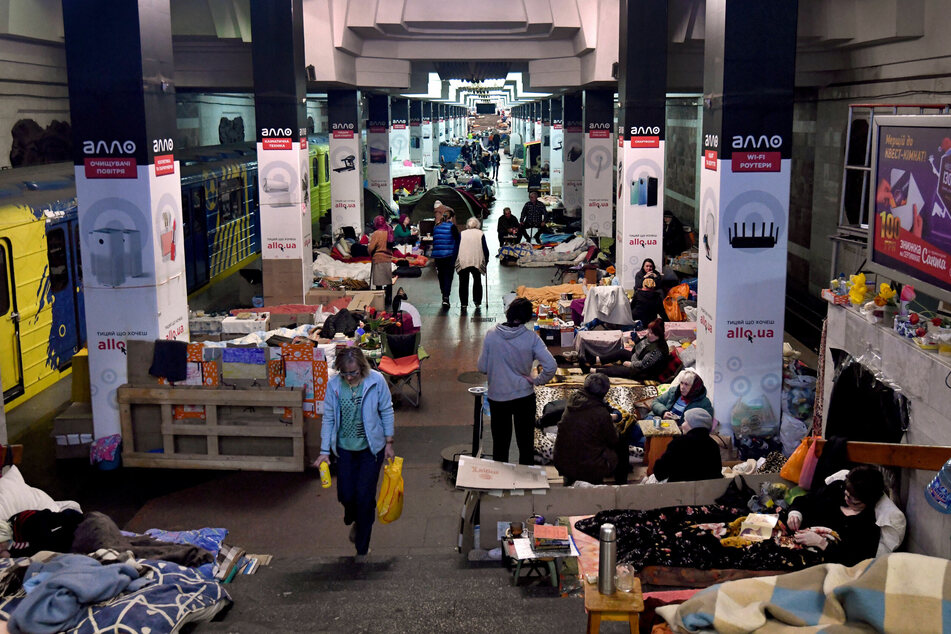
{"type": "Point", "coordinates": [543, 356]}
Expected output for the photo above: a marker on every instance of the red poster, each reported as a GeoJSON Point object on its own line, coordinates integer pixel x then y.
{"type": "Point", "coordinates": [710, 160]}
{"type": "Point", "coordinates": [645, 141]}
{"type": "Point", "coordinates": [277, 144]}
{"type": "Point", "coordinates": [164, 164]}
{"type": "Point", "coordinates": [343, 134]}
{"type": "Point", "coordinates": [756, 161]}
{"type": "Point", "coordinates": [303, 143]}
{"type": "Point", "coordinates": [109, 167]}
{"type": "Point", "coordinates": [909, 249]}
{"type": "Point", "coordinates": [599, 134]}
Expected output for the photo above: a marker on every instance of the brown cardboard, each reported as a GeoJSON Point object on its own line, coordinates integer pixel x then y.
{"type": "Point", "coordinates": [591, 276]}
{"type": "Point", "coordinates": [364, 299]}
{"type": "Point", "coordinates": [73, 432]}
{"type": "Point", "coordinates": [282, 279]}
{"type": "Point", "coordinates": [479, 473]}
{"type": "Point", "coordinates": [319, 296]}
{"type": "Point", "coordinates": [289, 320]}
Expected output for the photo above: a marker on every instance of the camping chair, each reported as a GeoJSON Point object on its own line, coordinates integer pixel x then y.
{"type": "Point", "coordinates": [400, 364]}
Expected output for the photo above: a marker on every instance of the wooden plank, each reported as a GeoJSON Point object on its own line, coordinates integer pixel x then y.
{"type": "Point", "coordinates": [211, 421]}
{"type": "Point", "coordinates": [17, 453]}
{"type": "Point", "coordinates": [259, 431]}
{"type": "Point", "coordinates": [249, 463]}
{"type": "Point", "coordinates": [161, 394]}
{"type": "Point", "coordinates": [926, 457]}
{"type": "Point", "coordinates": [168, 441]}
{"type": "Point", "coordinates": [125, 428]}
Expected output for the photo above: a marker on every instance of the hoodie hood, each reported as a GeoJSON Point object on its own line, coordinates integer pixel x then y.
{"type": "Point", "coordinates": [579, 399]}
{"type": "Point", "coordinates": [511, 332]}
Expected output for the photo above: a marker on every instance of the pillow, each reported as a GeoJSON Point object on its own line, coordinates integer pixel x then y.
{"type": "Point", "coordinates": [17, 496]}
{"type": "Point", "coordinates": [892, 522]}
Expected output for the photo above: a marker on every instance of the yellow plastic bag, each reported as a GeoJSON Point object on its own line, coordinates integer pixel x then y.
{"type": "Point", "coordinates": [389, 506]}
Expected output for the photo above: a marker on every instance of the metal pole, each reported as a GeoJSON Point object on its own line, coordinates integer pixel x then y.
{"type": "Point", "coordinates": [478, 392]}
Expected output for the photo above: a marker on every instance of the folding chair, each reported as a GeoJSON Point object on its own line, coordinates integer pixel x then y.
{"type": "Point", "coordinates": [400, 364]}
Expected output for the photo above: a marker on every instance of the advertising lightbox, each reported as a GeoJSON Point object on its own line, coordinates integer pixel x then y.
{"type": "Point", "coordinates": [910, 235]}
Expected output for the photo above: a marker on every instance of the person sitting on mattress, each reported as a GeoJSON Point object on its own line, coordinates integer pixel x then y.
{"type": "Point", "coordinates": [643, 362]}
{"type": "Point", "coordinates": [694, 455]}
{"type": "Point", "coordinates": [587, 447]}
{"type": "Point", "coordinates": [846, 507]}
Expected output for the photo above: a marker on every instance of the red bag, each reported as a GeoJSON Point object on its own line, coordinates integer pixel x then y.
{"type": "Point", "coordinates": [809, 467]}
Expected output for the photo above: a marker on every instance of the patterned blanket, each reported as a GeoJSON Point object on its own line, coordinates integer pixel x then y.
{"type": "Point", "coordinates": [900, 592]}
{"type": "Point", "coordinates": [176, 596]}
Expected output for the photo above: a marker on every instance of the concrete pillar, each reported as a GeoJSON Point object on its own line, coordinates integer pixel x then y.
{"type": "Point", "coordinates": [399, 130]}
{"type": "Point", "coordinates": [378, 146]}
{"type": "Point", "coordinates": [346, 171]}
{"type": "Point", "coordinates": [573, 155]}
{"type": "Point", "coordinates": [557, 147]}
{"type": "Point", "coordinates": [597, 218]}
{"type": "Point", "coordinates": [429, 136]}
{"type": "Point", "coordinates": [642, 91]}
{"type": "Point", "coordinates": [416, 131]}
{"type": "Point", "coordinates": [749, 72]}
{"type": "Point", "coordinates": [283, 165]}
{"type": "Point", "coordinates": [128, 184]}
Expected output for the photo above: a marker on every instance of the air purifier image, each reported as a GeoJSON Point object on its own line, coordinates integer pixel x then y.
{"type": "Point", "coordinates": [276, 184]}
{"type": "Point", "coordinates": [108, 256]}
{"type": "Point", "coordinates": [651, 192]}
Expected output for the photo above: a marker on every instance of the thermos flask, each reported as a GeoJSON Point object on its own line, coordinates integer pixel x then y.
{"type": "Point", "coordinates": [607, 562]}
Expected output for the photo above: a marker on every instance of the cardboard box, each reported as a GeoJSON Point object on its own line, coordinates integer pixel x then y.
{"type": "Point", "coordinates": [290, 320]}
{"type": "Point", "coordinates": [204, 324]}
{"type": "Point", "coordinates": [479, 473]}
{"type": "Point", "coordinates": [832, 298]}
{"type": "Point", "coordinates": [283, 282]}
{"type": "Point", "coordinates": [73, 432]}
{"type": "Point", "coordinates": [568, 337]}
{"type": "Point", "coordinates": [591, 276]}
{"type": "Point", "coordinates": [237, 325]}
{"type": "Point", "coordinates": [318, 296]}
{"type": "Point", "coordinates": [551, 336]}
{"type": "Point", "coordinates": [364, 299]}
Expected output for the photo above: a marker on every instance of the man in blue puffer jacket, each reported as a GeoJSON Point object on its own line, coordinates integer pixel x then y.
{"type": "Point", "coordinates": [445, 251]}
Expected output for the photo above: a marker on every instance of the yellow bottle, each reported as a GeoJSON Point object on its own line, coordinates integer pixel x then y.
{"type": "Point", "coordinates": [324, 475]}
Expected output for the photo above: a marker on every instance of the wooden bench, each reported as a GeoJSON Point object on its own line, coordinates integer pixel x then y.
{"type": "Point", "coordinates": [925, 457]}
{"type": "Point", "coordinates": [620, 606]}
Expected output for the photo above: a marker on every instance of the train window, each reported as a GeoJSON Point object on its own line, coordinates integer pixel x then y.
{"type": "Point", "coordinates": [4, 282]}
{"type": "Point", "coordinates": [56, 255]}
{"type": "Point", "coordinates": [229, 199]}
{"type": "Point", "coordinates": [327, 169]}
{"type": "Point", "coordinates": [315, 172]}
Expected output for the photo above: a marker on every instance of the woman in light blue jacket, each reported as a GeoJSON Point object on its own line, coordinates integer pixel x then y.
{"type": "Point", "coordinates": [358, 428]}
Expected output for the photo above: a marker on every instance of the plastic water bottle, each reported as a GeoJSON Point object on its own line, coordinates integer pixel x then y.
{"type": "Point", "coordinates": [324, 475]}
{"type": "Point", "coordinates": [843, 285]}
{"type": "Point", "coordinates": [938, 493]}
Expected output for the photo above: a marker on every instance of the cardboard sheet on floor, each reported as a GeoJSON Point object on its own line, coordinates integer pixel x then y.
{"type": "Point", "coordinates": [478, 473]}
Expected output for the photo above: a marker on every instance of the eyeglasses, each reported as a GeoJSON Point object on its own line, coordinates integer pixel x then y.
{"type": "Point", "coordinates": [350, 372]}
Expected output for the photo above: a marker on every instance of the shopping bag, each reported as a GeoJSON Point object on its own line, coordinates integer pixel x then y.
{"type": "Point", "coordinates": [793, 467]}
{"type": "Point", "coordinates": [389, 506]}
{"type": "Point", "coordinates": [672, 303]}
{"type": "Point", "coordinates": [808, 467]}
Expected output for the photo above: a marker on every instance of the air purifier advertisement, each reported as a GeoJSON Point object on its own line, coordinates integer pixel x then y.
{"type": "Point", "coordinates": [557, 162]}
{"type": "Point", "coordinates": [283, 186]}
{"type": "Point", "coordinates": [416, 138]}
{"type": "Point", "coordinates": [742, 265]}
{"type": "Point", "coordinates": [378, 160]}
{"type": "Point", "coordinates": [911, 230]}
{"type": "Point", "coordinates": [640, 212]}
{"type": "Point", "coordinates": [346, 179]}
{"type": "Point", "coordinates": [399, 142]}
{"type": "Point", "coordinates": [598, 185]}
{"type": "Point", "coordinates": [573, 156]}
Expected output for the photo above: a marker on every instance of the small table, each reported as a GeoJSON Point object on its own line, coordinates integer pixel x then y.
{"type": "Point", "coordinates": [657, 439]}
{"type": "Point", "coordinates": [538, 564]}
{"type": "Point", "coordinates": [620, 606]}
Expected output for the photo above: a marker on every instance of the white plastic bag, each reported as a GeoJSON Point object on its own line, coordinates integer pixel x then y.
{"type": "Point", "coordinates": [791, 432]}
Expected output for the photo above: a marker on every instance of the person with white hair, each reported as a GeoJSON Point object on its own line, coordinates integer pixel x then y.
{"type": "Point", "coordinates": [472, 258]}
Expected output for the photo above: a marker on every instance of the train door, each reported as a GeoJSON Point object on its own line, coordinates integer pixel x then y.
{"type": "Point", "coordinates": [76, 266]}
{"type": "Point", "coordinates": [196, 238]}
{"type": "Point", "coordinates": [64, 338]}
{"type": "Point", "coordinates": [10, 368]}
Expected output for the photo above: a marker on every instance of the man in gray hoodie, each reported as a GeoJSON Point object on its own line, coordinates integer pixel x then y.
{"type": "Point", "coordinates": [509, 353]}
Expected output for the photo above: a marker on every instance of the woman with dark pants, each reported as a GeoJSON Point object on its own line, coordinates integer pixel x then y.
{"type": "Point", "coordinates": [358, 428]}
{"type": "Point", "coordinates": [508, 354]}
{"type": "Point", "coordinates": [445, 250]}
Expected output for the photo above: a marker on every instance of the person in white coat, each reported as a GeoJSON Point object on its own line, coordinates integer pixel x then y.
{"type": "Point", "coordinates": [473, 255]}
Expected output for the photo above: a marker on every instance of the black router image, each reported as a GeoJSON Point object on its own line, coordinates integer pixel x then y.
{"type": "Point", "coordinates": [752, 241]}
{"type": "Point", "coordinates": [348, 165]}
{"type": "Point", "coordinates": [574, 153]}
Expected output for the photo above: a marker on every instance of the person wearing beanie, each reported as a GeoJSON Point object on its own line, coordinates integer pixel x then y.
{"type": "Point", "coordinates": [645, 361]}
{"type": "Point", "coordinates": [587, 447]}
{"type": "Point", "coordinates": [694, 455]}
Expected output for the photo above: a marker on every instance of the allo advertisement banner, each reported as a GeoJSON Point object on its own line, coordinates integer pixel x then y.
{"type": "Point", "coordinates": [744, 220]}
{"type": "Point", "coordinates": [574, 170]}
{"type": "Point", "coordinates": [557, 170]}
{"type": "Point", "coordinates": [400, 142]}
{"type": "Point", "coordinates": [284, 194]}
{"type": "Point", "coordinates": [378, 160]}
{"type": "Point", "coordinates": [640, 204]}
{"type": "Point", "coordinates": [133, 268]}
{"type": "Point", "coordinates": [427, 142]}
{"type": "Point", "coordinates": [598, 211]}
{"type": "Point", "coordinates": [346, 181]}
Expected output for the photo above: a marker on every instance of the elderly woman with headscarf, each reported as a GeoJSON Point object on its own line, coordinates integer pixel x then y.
{"type": "Point", "coordinates": [403, 231]}
{"type": "Point", "coordinates": [381, 257]}
{"type": "Point", "coordinates": [689, 393]}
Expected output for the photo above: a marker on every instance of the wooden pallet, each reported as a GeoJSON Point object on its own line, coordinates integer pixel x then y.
{"type": "Point", "coordinates": [214, 428]}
